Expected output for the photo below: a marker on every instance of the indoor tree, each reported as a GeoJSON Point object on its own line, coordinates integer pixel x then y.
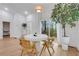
{"type": "Point", "coordinates": [65, 13]}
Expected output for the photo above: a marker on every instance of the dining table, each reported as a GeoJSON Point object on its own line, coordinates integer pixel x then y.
{"type": "Point", "coordinates": [36, 39]}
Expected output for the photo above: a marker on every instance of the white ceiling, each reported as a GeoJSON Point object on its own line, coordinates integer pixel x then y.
{"type": "Point", "coordinates": [22, 7]}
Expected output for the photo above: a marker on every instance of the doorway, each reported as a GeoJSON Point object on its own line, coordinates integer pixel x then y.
{"type": "Point", "coordinates": [6, 29]}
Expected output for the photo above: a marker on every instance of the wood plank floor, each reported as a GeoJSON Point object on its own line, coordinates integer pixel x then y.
{"type": "Point", "coordinates": [11, 47]}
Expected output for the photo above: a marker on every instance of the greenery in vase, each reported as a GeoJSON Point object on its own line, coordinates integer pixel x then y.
{"type": "Point", "coordinates": [35, 34]}
{"type": "Point", "coordinates": [65, 13]}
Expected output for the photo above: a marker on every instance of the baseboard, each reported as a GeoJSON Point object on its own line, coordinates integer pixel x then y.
{"type": "Point", "coordinates": [74, 47]}
{"type": "Point", "coordinates": [1, 38]}
{"type": "Point", "coordinates": [77, 49]}
{"type": "Point", "coordinates": [71, 45]}
{"type": "Point", "coordinates": [14, 37]}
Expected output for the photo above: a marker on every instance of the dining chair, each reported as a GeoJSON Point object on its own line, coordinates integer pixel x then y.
{"type": "Point", "coordinates": [48, 44]}
{"type": "Point", "coordinates": [27, 47]}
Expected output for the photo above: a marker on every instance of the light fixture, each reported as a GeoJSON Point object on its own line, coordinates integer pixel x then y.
{"type": "Point", "coordinates": [26, 12]}
{"type": "Point", "coordinates": [6, 9]}
{"type": "Point", "coordinates": [38, 8]}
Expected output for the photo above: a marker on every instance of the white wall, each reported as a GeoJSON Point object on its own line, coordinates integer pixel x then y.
{"type": "Point", "coordinates": [4, 16]}
{"type": "Point", "coordinates": [16, 21]}
{"type": "Point", "coordinates": [33, 23]}
{"type": "Point", "coordinates": [36, 23]}
{"type": "Point", "coordinates": [77, 36]}
{"type": "Point", "coordinates": [16, 28]}
{"type": "Point", "coordinates": [73, 33]}
{"type": "Point", "coordinates": [1, 33]}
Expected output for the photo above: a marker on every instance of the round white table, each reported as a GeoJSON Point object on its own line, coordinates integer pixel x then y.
{"type": "Point", "coordinates": [36, 39]}
{"type": "Point", "coordinates": [39, 37]}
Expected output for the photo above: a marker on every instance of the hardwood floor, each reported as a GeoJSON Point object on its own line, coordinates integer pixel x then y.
{"type": "Point", "coordinates": [11, 47]}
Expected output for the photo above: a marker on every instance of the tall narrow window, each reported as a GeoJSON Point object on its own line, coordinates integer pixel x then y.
{"type": "Point", "coordinates": [48, 27]}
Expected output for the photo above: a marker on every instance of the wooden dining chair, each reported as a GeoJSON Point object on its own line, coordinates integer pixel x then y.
{"type": "Point", "coordinates": [48, 44]}
{"type": "Point", "coordinates": [27, 47]}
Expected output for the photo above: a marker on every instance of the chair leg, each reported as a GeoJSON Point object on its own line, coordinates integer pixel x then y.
{"type": "Point", "coordinates": [49, 51]}
{"type": "Point", "coordinates": [21, 52]}
{"type": "Point", "coordinates": [35, 52]}
{"type": "Point", "coordinates": [42, 50]}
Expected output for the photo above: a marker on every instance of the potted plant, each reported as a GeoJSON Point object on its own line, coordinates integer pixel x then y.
{"type": "Point", "coordinates": [65, 14]}
{"type": "Point", "coordinates": [35, 34]}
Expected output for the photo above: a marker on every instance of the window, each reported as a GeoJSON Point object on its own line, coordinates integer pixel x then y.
{"type": "Point", "coordinates": [48, 27]}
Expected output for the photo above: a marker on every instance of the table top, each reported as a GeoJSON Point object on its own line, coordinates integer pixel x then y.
{"type": "Point", "coordinates": [38, 37]}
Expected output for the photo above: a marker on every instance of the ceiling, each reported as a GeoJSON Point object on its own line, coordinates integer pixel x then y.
{"type": "Point", "coordinates": [22, 7]}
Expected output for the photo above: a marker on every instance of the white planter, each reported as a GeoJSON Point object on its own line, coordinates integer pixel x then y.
{"type": "Point", "coordinates": [65, 42]}
{"type": "Point", "coordinates": [77, 46]}
{"type": "Point", "coordinates": [64, 47]}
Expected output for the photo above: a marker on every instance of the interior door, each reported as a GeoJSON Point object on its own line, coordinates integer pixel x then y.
{"type": "Point", "coordinates": [6, 29]}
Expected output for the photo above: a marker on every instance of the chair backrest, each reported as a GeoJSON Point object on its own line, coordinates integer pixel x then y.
{"type": "Point", "coordinates": [26, 44]}
{"type": "Point", "coordinates": [50, 40]}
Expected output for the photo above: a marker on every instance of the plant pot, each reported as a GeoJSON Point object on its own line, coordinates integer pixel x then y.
{"type": "Point", "coordinates": [77, 46]}
{"type": "Point", "coordinates": [65, 43]}
{"type": "Point", "coordinates": [64, 47]}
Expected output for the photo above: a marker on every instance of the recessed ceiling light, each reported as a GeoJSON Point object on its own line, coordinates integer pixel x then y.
{"type": "Point", "coordinates": [26, 12]}
{"type": "Point", "coordinates": [6, 9]}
